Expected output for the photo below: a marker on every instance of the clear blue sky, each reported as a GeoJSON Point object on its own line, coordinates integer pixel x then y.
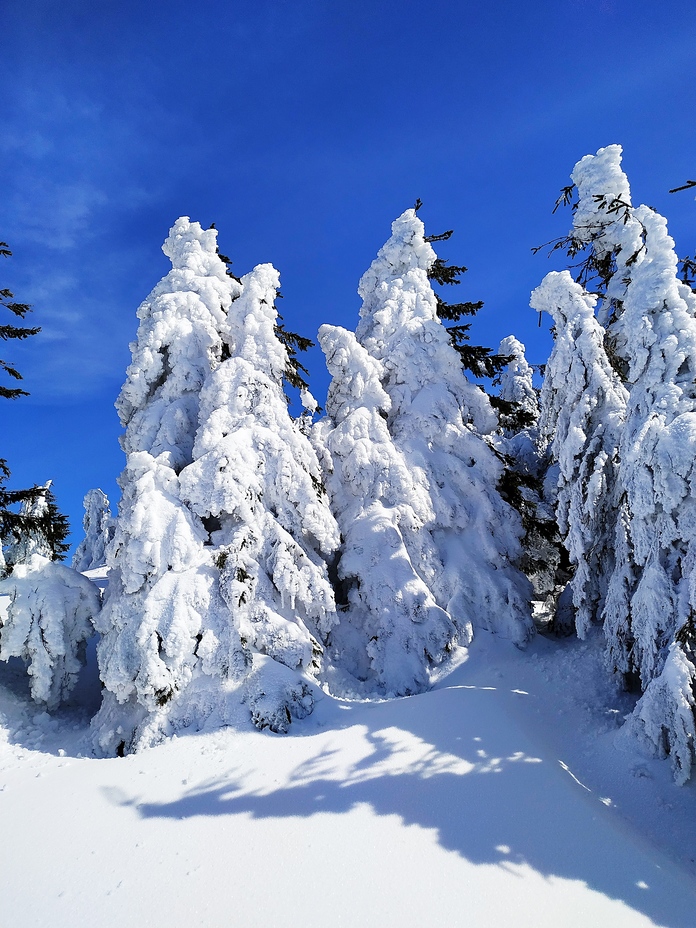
{"type": "Point", "coordinates": [302, 129]}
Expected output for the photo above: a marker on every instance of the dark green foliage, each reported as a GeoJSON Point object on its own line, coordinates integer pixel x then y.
{"type": "Point", "coordinates": [594, 271]}
{"type": "Point", "coordinates": [479, 361]}
{"type": "Point", "coordinates": [8, 331]}
{"type": "Point", "coordinates": [13, 523]}
{"type": "Point", "coordinates": [293, 343]}
{"type": "Point", "coordinates": [688, 271]}
{"type": "Point", "coordinates": [55, 528]}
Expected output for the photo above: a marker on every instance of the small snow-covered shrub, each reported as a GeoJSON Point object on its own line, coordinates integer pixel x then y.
{"type": "Point", "coordinates": [49, 619]}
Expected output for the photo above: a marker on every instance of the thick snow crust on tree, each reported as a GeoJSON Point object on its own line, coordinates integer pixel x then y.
{"type": "Point", "coordinates": [98, 525]}
{"type": "Point", "coordinates": [215, 563]}
{"type": "Point", "coordinates": [658, 452]}
{"type": "Point", "coordinates": [583, 406]}
{"type": "Point", "coordinates": [49, 619]}
{"type": "Point", "coordinates": [604, 221]}
{"type": "Point", "coordinates": [650, 317]}
{"type": "Point", "coordinates": [517, 379]}
{"type": "Point", "coordinates": [435, 419]}
{"type": "Point", "coordinates": [257, 475]}
{"type": "Point", "coordinates": [178, 341]}
{"type": "Point", "coordinates": [392, 632]}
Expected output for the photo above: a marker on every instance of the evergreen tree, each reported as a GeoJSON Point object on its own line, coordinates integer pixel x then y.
{"type": "Point", "coordinates": [392, 634]}
{"type": "Point", "coordinates": [218, 591]}
{"type": "Point", "coordinates": [520, 403]}
{"type": "Point", "coordinates": [523, 482]}
{"type": "Point", "coordinates": [256, 481]}
{"type": "Point", "coordinates": [436, 421]}
{"type": "Point", "coordinates": [162, 584]}
{"type": "Point", "coordinates": [49, 619]}
{"type": "Point", "coordinates": [583, 407]}
{"type": "Point", "coordinates": [98, 525]}
{"type": "Point", "coordinates": [43, 529]}
{"type": "Point", "coordinates": [11, 522]}
{"type": "Point", "coordinates": [649, 314]}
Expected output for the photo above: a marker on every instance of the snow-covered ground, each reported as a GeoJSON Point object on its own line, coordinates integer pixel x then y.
{"type": "Point", "coordinates": [498, 798]}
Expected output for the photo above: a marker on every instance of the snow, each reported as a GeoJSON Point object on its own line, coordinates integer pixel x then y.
{"type": "Point", "coordinates": [498, 798]}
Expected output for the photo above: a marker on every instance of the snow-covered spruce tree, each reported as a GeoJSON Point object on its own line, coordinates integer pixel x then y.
{"type": "Point", "coordinates": [649, 315]}
{"type": "Point", "coordinates": [436, 421]}
{"type": "Point", "coordinates": [657, 480]}
{"type": "Point", "coordinates": [523, 483]}
{"type": "Point", "coordinates": [516, 388]}
{"type": "Point", "coordinates": [583, 407]}
{"type": "Point", "coordinates": [392, 633]}
{"type": "Point", "coordinates": [98, 524]}
{"type": "Point", "coordinates": [163, 617]}
{"type": "Point", "coordinates": [49, 619]}
{"type": "Point", "coordinates": [42, 529]}
{"type": "Point", "coordinates": [256, 481]}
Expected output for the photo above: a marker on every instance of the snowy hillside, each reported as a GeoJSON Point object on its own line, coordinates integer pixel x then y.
{"type": "Point", "coordinates": [501, 797]}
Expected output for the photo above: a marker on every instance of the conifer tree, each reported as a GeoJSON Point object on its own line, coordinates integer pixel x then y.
{"type": "Point", "coordinates": [162, 584]}
{"type": "Point", "coordinates": [49, 619]}
{"type": "Point", "coordinates": [44, 529]}
{"type": "Point", "coordinates": [98, 525]}
{"type": "Point", "coordinates": [436, 420]}
{"type": "Point", "coordinates": [583, 407]}
{"type": "Point", "coordinates": [256, 479]}
{"type": "Point", "coordinates": [523, 482]}
{"type": "Point", "coordinates": [649, 314]}
{"type": "Point", "coordinates": [13, 523]}
{"type": "Point", "coordinates": [392, 634]}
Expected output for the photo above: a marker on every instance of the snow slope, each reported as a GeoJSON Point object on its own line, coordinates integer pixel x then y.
{"type": "Point", "coordinates": [491, 800]}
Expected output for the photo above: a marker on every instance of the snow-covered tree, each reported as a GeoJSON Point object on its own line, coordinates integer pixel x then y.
{"type": "Point", "coordinates": [218, 591]}
{"type": "Point", "coordinates": [49, 619]}
{"type": "Point", "coordinates": [42, 529]}
{"type": "Point", "coordinates": [256, 481]}
{"type": "Point", "coordinates": [582, 414]}
{"type": "Point", "coordinates": [392, 633]}
{"type": "Point", "coordinates": [524, 482]}
{"type": "Point", "coordinates": [162, 584]}
{"type": "Point", "coordinates": [436, 421]}
{"type": "Point", "coordinates": [516, 389]}
{"type": "Point", "coordinates": [98, 524]}
{"type": "Point", "coordinates": [650, 319]}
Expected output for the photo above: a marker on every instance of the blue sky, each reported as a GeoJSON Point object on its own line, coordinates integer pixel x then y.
{"type": "Point", "coordinates": [302, 129]}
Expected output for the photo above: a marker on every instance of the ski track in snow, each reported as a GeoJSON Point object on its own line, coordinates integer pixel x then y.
{"type": "Point", "coordinates": [498, 798]}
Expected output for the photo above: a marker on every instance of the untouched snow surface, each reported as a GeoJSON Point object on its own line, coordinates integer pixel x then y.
{"type": "Point", "coordinates": [500, 798]}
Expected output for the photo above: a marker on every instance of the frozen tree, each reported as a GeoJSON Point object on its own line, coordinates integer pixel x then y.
{"type": "Point", "coordinates": [649, 316]}
{"type": "Point", "coordinates": [163, 586]}
{"type": "Point", "coordinates": [516, 388]}
{"type": "Point", "coordinates": [218, 591]}
{"type": "Point", "coordinates": [582, 414]}
{"type": "Point", "coordinates": [99, 529]}
{"type": "Point", "coordinates": [658, 473]}
{"type": "Point", "coordinates": [524, 482]}
{"type": "Point", "coordinates": [256, 481]}
{"type": "Point", "coordinates": [41, 529]}
{"type": "Point", "coordinates": [392, 633]}
{"type": "Point", "coordinates": [49, 619]}
{"type": "Point", "coordinates": [436, 420]}
{"type": "Point", "coordinates": [178, 342]}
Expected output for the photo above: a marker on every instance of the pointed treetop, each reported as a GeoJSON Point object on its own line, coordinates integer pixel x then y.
{"type": "Point", "coordinates": [406, 250]}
